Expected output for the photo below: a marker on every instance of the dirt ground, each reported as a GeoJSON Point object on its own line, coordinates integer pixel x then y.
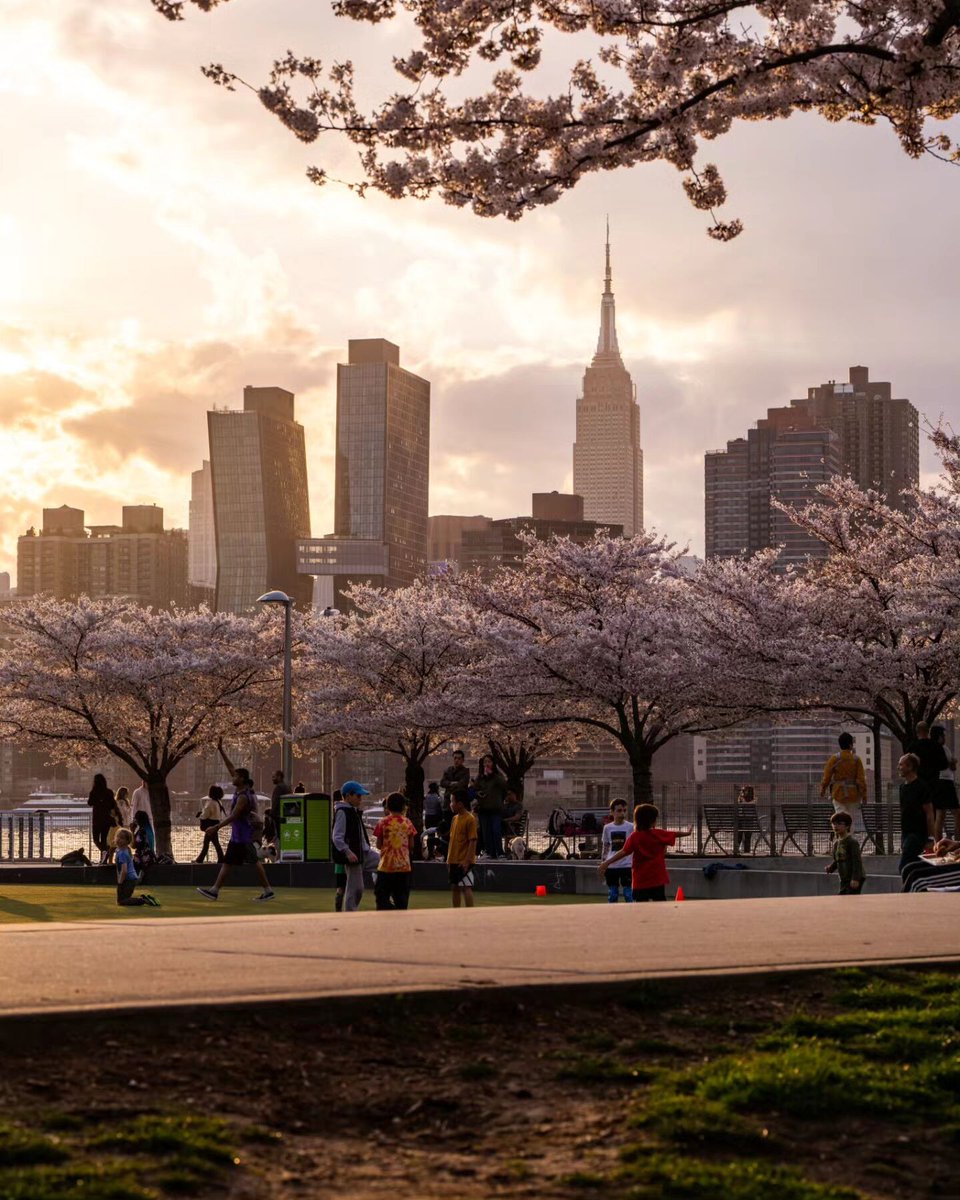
{"type": "Point", "coordinates": [464, 1095]}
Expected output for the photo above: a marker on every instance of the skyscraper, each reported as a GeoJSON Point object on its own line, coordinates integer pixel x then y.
{"type": "Point", "coordinates": [138, 558]}
{"type": "Point", "coordinates": [258, 465]}
{"type": "Point", "coordinates": [202, 537]}
{"type": "Point", "coordinates": [857, 429]}
{"type": "Point", "coordinates": [382, 476]}
{"type": "Point", "coordinates": [607, 458]}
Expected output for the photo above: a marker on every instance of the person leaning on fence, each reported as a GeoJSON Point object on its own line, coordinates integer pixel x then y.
{"type": "Point", "coordinates": [845, 780]}
{"type": "Point", "coordinates": [614, 837]}
{"type": "Point", "coordinates": [103, 804]}
{"type": "Point", "coordinates": [847, 859]}
{"type": "Point", "coordinates": [648, 845]}
{"type": "Point", "coordinates": [744, 838]}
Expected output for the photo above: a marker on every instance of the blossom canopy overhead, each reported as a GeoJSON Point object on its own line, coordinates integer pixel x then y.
{"type": "Point", "coordinates": [475, 122]}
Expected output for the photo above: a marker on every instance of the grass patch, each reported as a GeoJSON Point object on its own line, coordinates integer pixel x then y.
{"type": "Point", "coordinates": [598, 1068]}
{"type": "Point", "coordinates": [682, 1177]}
{"type": "Point", "coordinates": [43, 903]}
{"type": "Point", "coordinates": [138, 1157]}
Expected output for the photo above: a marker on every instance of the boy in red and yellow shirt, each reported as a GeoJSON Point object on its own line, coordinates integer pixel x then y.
{"type": "Point", "coordinates": [648, 845]}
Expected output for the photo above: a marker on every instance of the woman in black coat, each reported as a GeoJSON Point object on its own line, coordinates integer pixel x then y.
{"type": "Point", "coordinates": [103, 803]}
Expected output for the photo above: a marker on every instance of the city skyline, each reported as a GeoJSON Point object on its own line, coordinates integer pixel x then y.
{"type": "Point", "coordinates": [154, 266]}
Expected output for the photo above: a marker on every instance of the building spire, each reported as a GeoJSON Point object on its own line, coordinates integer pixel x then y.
{"type": "Point", "coordinates": [608, 351]}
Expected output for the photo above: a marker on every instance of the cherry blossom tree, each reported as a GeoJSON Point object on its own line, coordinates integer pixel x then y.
{"type": "Point", "coordinates": [477, 116]}
{"type": "Point", "coordinates": [150, 687]}
{"type": "Point", "coordinates": [381, 677]}
{"type": "Point", "coordinates": [884, 606]}
{"type": "Point", "coordinates": [601, 638]}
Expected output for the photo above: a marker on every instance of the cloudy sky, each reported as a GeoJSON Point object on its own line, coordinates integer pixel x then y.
{"type": "Point", "coordinates": [160, 247]}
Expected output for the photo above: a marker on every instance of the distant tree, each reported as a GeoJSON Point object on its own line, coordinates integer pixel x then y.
{"type": "Point", "coordinates": [149, 687]}
{"type": "Point", "coordinates": [381, 676]}
{"type": "Point", "coordinates": [475, 119]}
{"type": "Point", "coordinates": [602, 638]}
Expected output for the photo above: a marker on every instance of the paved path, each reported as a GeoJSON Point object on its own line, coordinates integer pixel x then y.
{"type": "Point", "coordinates": [104, 965]}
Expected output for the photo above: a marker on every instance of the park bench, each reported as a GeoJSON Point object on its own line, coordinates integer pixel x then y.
{"type": "Point", "coordinates": [740, 821]}
{"type": "Point", "coordinates": [806, 827]}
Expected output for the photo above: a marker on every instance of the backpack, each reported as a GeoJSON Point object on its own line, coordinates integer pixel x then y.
{"type": "Point", "coordinates": [557, 822]}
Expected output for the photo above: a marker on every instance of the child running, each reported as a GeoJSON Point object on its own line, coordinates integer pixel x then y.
{"type": "Point", "coordinates": [847, 859]}
{"type": "Point", "coordinates": [127, 874]}
{"type": "Point", "coordinates": [648, 845]}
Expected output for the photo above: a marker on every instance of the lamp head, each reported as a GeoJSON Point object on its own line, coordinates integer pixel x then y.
{"type": "Point", "coordinates": [274, 598]}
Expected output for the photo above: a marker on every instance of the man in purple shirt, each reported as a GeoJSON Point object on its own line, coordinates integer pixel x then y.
{"type": "Point", "coordinates": [242, 848]}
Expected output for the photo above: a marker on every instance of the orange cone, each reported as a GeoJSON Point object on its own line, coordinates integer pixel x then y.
{"type": "Point", "coordinates": [541, 889]}
{"type": "Point", "coordinates": [680, 895]}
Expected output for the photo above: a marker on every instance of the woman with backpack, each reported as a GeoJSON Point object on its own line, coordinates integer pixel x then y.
{"type": "Point", "coordinates": [210, 816]}
{"type": "Point", "coordinates": [844, 778]}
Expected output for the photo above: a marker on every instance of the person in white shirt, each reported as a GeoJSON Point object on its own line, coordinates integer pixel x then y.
{"type": "Point", "coordinates": [141, 802]}
{"type": "Point", "coordinates": [615, 833]}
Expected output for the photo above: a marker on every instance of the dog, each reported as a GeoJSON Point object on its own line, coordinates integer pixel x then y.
{"type": "Point", "coordinates": [76, 858]}
{"type": "Point", "coordinates": [517, 847]}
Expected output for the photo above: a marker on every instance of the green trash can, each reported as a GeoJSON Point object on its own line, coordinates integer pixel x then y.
{"type": "Point", "coordinates": [305, 826]}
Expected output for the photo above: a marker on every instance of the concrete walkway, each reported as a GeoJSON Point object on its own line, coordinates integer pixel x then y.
{"type": "Point", "coordinates": [109, 965]}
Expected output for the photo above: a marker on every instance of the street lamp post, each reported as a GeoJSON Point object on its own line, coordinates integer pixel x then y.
{"type": "Point", "coordinates": [286, 750]}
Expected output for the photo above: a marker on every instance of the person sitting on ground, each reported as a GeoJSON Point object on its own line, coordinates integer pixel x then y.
{"type": "Point", "coordinates": [847, 859]}
{"type": "Point", "coordinates": [844, 777]}
{"type": "Point", "coordinates": [127, 876]}
{"type": "Point", "coordinates": [648, 845]}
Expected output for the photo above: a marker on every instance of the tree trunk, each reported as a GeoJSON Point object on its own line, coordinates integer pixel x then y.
{"type": "Point", "coordinates": [641, 761]}
{"type": "Point", "coordinates": [160, 803]}
{"type": "Point", "coordinates": [413, 778]}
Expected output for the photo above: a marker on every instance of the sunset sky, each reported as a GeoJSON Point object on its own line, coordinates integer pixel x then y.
{"type": "Point", "coordinates": [160, 247]}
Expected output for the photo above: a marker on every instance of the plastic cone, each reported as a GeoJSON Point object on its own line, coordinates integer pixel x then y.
{"type": "Point", "coordinates": [680, 895]}
{"type": "Point", "coordinates": [541, 889]}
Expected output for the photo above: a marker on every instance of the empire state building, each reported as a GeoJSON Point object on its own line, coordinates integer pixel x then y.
{"type": "Point", "coordinates": [607, 459]}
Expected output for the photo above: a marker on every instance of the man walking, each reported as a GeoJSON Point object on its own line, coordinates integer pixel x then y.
{"type": "Point", "coordinates": [351, 841]}
{"type": "Point", "coordinates": [241, 850]}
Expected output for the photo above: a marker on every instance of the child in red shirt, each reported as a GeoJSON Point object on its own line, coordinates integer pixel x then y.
{"type": "Point", "coordinates": [648, 845]}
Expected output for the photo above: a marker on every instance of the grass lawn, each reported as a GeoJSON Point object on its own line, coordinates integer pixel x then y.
{"type": "Point", "coordinates": [91, 902]}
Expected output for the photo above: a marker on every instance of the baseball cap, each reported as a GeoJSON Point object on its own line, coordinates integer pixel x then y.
{"type": "Point", "coordinates": [352, 788]}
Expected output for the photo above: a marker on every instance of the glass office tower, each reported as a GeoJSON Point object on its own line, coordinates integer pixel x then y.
{"type": "Point", "coordinates": [260, 505]}
{"type": "Point", "coordinates": [382, 476]}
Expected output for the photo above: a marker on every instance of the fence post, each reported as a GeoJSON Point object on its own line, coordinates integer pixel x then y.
{"type": "Point", "coordinates": [41, 817]}
{"type": "Point", "coordinates": [20, 837]}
